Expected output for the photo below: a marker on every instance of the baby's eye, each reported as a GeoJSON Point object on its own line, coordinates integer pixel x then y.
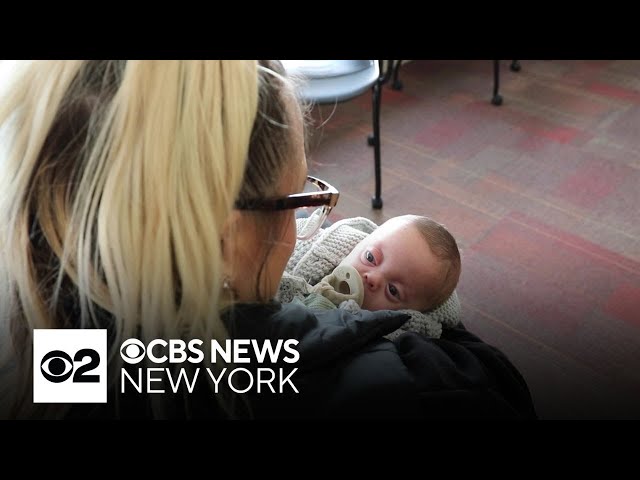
{"type": "Point", "coordinates": [369, 256]}
{"type": "Point", "coordinates": [393, 290]}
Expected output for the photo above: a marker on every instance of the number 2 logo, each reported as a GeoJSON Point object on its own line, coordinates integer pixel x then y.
{"type": "Point", "coordinates": [57, 366]}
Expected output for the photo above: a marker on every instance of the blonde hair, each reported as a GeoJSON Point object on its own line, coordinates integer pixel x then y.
{"type": "Point", "coordinates": [117, 181]}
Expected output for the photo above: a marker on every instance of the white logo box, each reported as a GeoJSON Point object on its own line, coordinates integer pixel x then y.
{"type": "Point", "coordinates": [83, 379]}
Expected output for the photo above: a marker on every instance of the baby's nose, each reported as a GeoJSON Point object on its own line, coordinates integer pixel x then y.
{"type": "Point", "coordinates": [371, 280]}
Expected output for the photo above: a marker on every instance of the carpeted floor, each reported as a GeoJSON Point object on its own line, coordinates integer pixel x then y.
{"type": "Point", "coordinates": [543, 195]}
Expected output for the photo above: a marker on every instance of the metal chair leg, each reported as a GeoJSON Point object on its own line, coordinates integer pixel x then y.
{"type": "Point", "coordinates": [397, 84]}
{"type": "Point", "coordinates": [497, 99]}
{"type": "Point", "coordinates": [374, 140]}
{"type": "Point", "coordinates": [376, 202]}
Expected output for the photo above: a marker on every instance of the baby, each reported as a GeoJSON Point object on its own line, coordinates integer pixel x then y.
{"type": "Point", "coordinates": [408, 263]}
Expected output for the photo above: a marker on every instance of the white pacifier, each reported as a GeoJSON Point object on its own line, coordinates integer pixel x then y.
{"type": "Point", "coordinates": [346, 281]}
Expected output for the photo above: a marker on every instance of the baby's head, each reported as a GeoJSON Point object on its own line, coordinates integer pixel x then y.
{"type": "Point", "coordinates": [409, 262]}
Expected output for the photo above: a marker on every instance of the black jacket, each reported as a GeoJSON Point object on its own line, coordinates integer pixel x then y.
{"type": "Point", "coordinates": [348, 370]}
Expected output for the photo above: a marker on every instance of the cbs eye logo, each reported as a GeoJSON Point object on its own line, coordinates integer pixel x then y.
{"type": "Point", "coordinates": [69, 366]}
{"type": "Point", "coordinates": [57, 366]}
{"type": "Point", "coordinates": [132, 351]}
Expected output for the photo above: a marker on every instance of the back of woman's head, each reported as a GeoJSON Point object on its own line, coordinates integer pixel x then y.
{"type": "Point", "coordinates": [117, 180]}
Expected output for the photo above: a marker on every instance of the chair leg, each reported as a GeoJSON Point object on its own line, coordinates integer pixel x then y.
{"type": "Point", "coordinates": [385, 75]}
{"type": "Point", "coordinates": [397, 84]}
{"type": "Point", "coordinates": [497, 99]}
{"type": "Point", "coordinates": [376, 202]}
{"type": "Point", "coordinates": [515, 65]}
{"type": "Point", "coordinates": [371, 140]}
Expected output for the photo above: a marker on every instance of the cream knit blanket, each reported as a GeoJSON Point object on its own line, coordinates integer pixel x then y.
{"type": "Point", "coordinates": [317, 257]}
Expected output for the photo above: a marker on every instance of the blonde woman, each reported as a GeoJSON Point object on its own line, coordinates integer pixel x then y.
{"type": "Point", "coordinates": [157, 200]}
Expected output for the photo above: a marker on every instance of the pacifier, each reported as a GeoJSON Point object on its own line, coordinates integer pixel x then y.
{"type": "Point", "coordinates": [344, 283]}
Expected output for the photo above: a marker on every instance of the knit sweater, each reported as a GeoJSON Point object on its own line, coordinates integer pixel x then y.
{"type": "Point", "coordinates": [317, 257]}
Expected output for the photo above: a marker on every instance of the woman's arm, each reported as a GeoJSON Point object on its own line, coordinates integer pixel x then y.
{"type": "Point", "coordinates": [460, 376]}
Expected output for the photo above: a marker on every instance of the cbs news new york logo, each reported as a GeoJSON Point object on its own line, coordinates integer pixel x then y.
{"type": "Point", "coordinates": [69, 366]}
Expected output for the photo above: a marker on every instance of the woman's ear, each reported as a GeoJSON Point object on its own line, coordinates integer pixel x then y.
{"type": "Point", "coordinates": [237, 246]}
{"type": "Point", "coordinates": [229, 239]}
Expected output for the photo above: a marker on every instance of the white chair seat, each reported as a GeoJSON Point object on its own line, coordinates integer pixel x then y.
{"type": "Point", "coordinates": [331, 81]}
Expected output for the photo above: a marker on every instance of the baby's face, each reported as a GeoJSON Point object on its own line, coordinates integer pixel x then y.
{"type": "Point", "coordinates": [397, 267]}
